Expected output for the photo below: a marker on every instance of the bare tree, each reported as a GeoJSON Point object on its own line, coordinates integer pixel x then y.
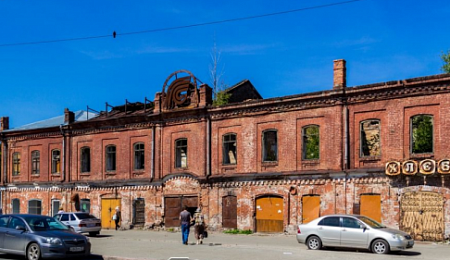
{"type": "Point", "coordinates": [220, 97]}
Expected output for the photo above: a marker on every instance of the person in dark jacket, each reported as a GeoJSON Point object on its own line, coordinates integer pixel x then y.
{"type": "Point", "coordinates": [185, 221]}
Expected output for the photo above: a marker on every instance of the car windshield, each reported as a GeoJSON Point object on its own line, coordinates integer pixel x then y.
{"type": "Point", "coordinates": [38, 223]}
{"type": "Point", "coordinates": [83, 215]}
{"type": "Point", "coordinates": [372, 223]}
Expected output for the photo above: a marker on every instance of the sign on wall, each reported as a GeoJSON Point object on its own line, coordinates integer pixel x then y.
{"type": "Point", "coordinates": [424, 167]}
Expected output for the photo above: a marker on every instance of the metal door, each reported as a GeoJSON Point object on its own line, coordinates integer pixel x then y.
{"type": "Point", "coordinates": [108, 210]}
{"type": "Point", "coordinates": [229, 212]}
{"type": "Point", "coordinates": [269, 214]}
{"type": "Point", "coordinates": [139, 212]}
{"type": "Point", "coordinates": [174, 205]}
{"type": "Point", "coordinates": [371, 206]}
{"type": "Point", "coordinates": [422, 215]}
{"type": "Point", "coordinates": [311, 208]}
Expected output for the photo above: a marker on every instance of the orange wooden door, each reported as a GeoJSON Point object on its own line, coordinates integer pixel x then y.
{"type": "Point", "coordinates": [371, 206]}
{"type": "Point", "coordinates": [269, 214]}
{"type": "Point", "coordinates": [108, 210]}
{"type": "Point", "coordinates": [311, 208]}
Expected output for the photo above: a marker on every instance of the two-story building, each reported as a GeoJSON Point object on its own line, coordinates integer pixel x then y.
{"type": "Point", "coordinates": [261, 164]}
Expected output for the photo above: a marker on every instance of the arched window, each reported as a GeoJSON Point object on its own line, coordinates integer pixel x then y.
{"type": "Point", "coordinates": [270, 146]}
{"type": "Point", "coordinates": [370, 136]}
{"type": "Point", "coordinates": [181, 153]}
{"type": "Point", "coordinates": [311, 141]}
{"type": "Point", "coordinates": [16, 164]}
{"type": "Point", "coordinates": [35, 162]}
{"type": "Point", "coordinates": [56, 161]}
{"type": "Point", "coordinates": [15, 206]}
{"type": "Point", "coordinates": [139, 156]}
{"type": "Point", "coordinates": [110, 158]}
{"type": "Point", "coordinates": [34, 207]}
{"type": "Point", "coordinates": [85, 155]}
{"type": "Point", "coordinates": [229, 149]}
{"type": "Point", "coordinates": [421, 134]}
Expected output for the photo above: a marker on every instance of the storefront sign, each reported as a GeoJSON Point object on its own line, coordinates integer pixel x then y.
{"type": "Point", "coordinates": [411, 167]}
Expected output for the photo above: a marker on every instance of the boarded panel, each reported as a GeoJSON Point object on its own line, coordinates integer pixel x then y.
{"type": "Point", "coordinates": [371, 206]}
{"type": "Point", "coordinates": [269, 214]}
{"type": "Point", "coordinates": [229, 212]}
{"type": "Point", "coordinates": [422, 215]}
{"type": "Point", "coordinates": [108, 210]}
{"type": "Point", "coordinates": [139, 212]}
{"type": "Point", "coordinates": [311, 208]}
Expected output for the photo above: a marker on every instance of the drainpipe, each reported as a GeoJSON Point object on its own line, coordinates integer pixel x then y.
{"type": "Point", "coordinates": [208, 147]}
{"type": "Point", "coordinates": [63, 172]}
{"type": "Point", "coordinates": [4, 161]}
{"type": "Point", "coordinates": [152, 160]}
{"type": "Point", "coordinates": [345, 165]}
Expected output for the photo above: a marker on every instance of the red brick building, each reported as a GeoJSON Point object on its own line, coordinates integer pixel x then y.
{"type": "Point", "coordinates": [260, 164]}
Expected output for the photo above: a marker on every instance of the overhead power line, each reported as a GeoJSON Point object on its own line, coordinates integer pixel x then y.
{"type": "Point", "coordinates": [115, 34]}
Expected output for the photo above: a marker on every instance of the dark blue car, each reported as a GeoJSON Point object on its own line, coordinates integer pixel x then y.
{"type": "Point", "coordinates": [37, 236]}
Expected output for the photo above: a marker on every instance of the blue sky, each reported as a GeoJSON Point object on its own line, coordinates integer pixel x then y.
{"type": "Point", "coordinates": [281, 55]}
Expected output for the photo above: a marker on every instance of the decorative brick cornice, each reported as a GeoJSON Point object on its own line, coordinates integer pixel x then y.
{"type": "Point", "coordinates": [32, 136]}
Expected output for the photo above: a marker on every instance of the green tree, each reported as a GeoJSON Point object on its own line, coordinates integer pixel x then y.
{"type": "Point", "coordinates": [446, 59]}
{"type": "Point", "coordinates": [422, 134]}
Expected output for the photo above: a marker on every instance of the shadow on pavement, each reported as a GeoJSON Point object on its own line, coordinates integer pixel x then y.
{"type": "Point", "coordinates": [400, 253]}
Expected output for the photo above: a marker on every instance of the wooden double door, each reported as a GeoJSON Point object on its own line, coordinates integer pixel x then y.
{"type": "Point", "coordinates": [173, 205]}
{"type": "Point", "coordinates": [269, 214]}
{"type": "Point", "coordinates": [108, 210]}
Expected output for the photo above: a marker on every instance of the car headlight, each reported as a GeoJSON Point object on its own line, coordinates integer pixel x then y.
{"type": "Point", "coordinates": [53, 241]}
{"type": "Point", "coordinates": [398, 236]}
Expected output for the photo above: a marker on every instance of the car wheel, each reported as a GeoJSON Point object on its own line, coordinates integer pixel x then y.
{"type": "Point", "coordinates": [314, 243]}
{"type": "Point", "coordinates": [33, 252]}
{"type": "Point", "coordinates": [380, 246]}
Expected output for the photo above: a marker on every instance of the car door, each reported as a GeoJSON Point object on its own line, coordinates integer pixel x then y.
{"type": "Point", "coordinates": [329, 231]}
{"type": "Point", "coordinates": [352, 235]}
{"type": "Point", "coordinates": [3, 229]}
{"type": "Point", "coordinates": [15, 240]}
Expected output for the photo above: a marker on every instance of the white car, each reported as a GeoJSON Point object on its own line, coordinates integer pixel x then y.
{"type": "Point", "coordinates": [352, 231]}
{"type": "Point", "coordinates": [81, 222]}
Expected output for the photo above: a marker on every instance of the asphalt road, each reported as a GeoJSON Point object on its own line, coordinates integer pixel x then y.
{"type": "Point", "coordinates": [161, 245]}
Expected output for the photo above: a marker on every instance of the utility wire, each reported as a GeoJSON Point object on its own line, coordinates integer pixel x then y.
{"type": "Point", "coordinates": [114, 34]}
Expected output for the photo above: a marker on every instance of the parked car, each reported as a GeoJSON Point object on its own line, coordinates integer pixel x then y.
{"type": "Point", "coordinates": [81, 222]}
{"type": "Point", "coordinates": [37, 236]}
{"type": "Point", "coordinates": [352, 231]}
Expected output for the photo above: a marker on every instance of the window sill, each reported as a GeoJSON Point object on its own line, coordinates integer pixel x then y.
{"type": "Point", "coordinates": [269, 164]}
{"type": "Point", "coordinates": [110, 173]}
{"type": "Point", "coordinates": [422, 156]}
{"type": "Point", "coordinates": [56, 174]}
{"type": "Point", "coordinates": [85, 173]}
{"type": "Point", "coordinates": [138, 172]}
{"type": "Point", "coordinates": [35, 175]}
{"type": "Point", "coordinates": [370, 159]}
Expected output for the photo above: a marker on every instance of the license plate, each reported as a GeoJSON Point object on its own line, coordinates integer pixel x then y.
{"type": "Point", "coordinates": [76, 249]}
{"type": "Point", "coordinates": [91, 225]}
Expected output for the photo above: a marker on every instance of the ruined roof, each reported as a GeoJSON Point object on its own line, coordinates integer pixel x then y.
{"type": "Point", "coordinates": [80, 115]}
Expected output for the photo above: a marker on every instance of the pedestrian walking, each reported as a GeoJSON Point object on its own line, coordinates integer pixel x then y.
{"type": "Point", "coordinates": [116, 217]}
{"type": "Point", "coordinates": [185, 221]}
{"type": "Point", "coordinates": [199, 225]}
{"type": "Point", "coordinates": [61, 210]}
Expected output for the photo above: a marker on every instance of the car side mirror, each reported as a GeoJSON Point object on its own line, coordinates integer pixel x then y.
{"type": "Point", "coordinates": [363, 227]}
{"type": "Point", "coordinates": [19, 227]}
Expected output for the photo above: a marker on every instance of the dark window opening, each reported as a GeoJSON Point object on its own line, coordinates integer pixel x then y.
{"type": "Point", "coordinates": [139, 156]}
{"type": "Point", "coordinates": [422, 134]}
{"type": "Point", "coordinates": [85, 159]}
{"type": "Point", "coordinates": [181, 153]}
{"type": "Point", "coordinates": [270, 146]}
{"type": "Point", "coordinates": [229, 149]}
{"type": "Point", "coordinates": [111, 158]}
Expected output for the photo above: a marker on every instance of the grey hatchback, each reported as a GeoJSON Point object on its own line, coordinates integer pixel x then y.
{"type": "Point", "coordinates": [352, 231]}
{"type": "Point", "coordinates": [37, 236]}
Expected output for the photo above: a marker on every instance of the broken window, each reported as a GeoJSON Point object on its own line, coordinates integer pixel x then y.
{"type": "Point", "coordinates": [110, 158]}
{"type": "Point", "coordinates": [229, 149]}
{"type": "Point", "coordinates": [16, 164]}
{"type": "Point", "coordinates": [181, 153]}
{"type": "Point", "coordinates": [270, 146]}
{"type": "Point", "coordinates": [35, 162]}
{"type": "Point", "coordinates": [370, 138]}
{"type": "Point", "coordinates": [85, 159]}
{"type": "Point", "coordinates": [311, 139]}
{"type": "Point", "coordinates": [139, 156]}
{"type": "Point", "coordinates": [422, 134]}
{"type": "Point", "coordinates": [56, 161]}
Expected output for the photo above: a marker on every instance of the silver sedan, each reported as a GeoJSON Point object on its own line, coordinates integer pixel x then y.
{"type": "Point", "coordinates": [352, 231]}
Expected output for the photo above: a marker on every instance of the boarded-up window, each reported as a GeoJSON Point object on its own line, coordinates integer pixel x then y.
{"type": "Point", "coordinates": [85, 159]}
{"type": "Point", "coordinates": [35, 162]}
{"type": "Point", "coordinates": [229, 149]}
{"type": "Point", "coordinates": [311, 139]}
{"type": "Point", "coordinates": [371, 206]}
{"type": "Point", "coordinates": [310, 208]}
{"type": "Point", "coordinates": [181, 153]}
{"type": "Point", "coordinates": [422, 134]}
{"type": "Point", "coordinates": [270, 146]}
{"type": "Point", "coordinates": [370, 138]}
{"type": "Point", "coordinates": [85, 205]}
{"type": "Point", "coordinates": [16, 164]}
{"type": "Point", "coordinates": [15, 206]}
{"type": "Point", "coordinates": [34, 207]}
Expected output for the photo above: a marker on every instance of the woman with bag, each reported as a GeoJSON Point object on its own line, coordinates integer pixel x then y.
{"type": "Point", "coordinates": [116, 217]}
{"type": "Point", "coordinates": [199, 225]}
